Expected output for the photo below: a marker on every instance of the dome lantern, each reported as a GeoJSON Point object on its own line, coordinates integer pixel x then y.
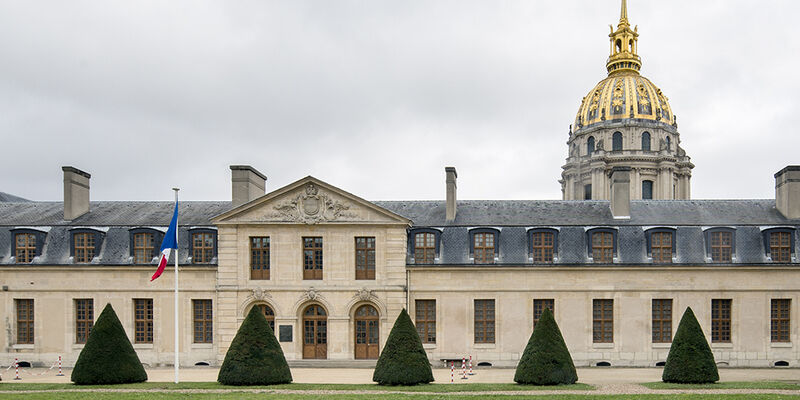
{"type": "Point", "coordinates": [624, 44]}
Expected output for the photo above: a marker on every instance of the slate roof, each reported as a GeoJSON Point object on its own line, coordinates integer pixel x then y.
{"type": "Point", "coordinates": [6, 197]}
{"type": "Point", "coordinates": [512, 218]}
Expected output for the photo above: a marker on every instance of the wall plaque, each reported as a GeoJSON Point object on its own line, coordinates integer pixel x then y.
{"type": "Point", "coordinates": [285, 333]}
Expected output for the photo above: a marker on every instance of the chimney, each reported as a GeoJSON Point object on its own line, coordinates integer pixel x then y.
{"type": "Point", "coordinates": [621, 192]}
{"type": "Point", "coordinates": [247, 184]}
{"type": "Point", "coordinates": [787, 191]}
{"type": "Point", "coordinates": [451, 175]}
{"type": "Point", "coordinates": [76, 193]}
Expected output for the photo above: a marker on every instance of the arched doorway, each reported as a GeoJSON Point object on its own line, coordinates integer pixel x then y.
{"type": "Point", "coordinates": [268, 314]}
{"type": "Point", "coordinates": [367, 333]}
{"type": "Point", "coordinates": [315, 332]}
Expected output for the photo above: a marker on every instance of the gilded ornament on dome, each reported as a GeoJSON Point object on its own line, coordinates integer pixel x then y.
{"type": "Point", "coordinates": [643, 97]}
{"type": "Point", "coordinates": [618, 98]}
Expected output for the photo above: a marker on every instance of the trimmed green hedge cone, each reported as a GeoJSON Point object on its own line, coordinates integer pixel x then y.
{"type": "Point", "coordinates": [108, 356]}
{"type": "Point", "coordinates": [255, 356]}
{"type": "Point", "coordinates": [546, 360]}
{"type": "Point", "coordinates": [403, 361]}
{"type": "Point", "coordinates": [690, 359]}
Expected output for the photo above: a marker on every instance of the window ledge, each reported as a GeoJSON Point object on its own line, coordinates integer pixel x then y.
{"type": "Point", "coordinates": [202, 345]}
{"type": "Point", "coordinates": [602, 345]}
{"type": "Point", "coordinates": [662, 345]}
{"type": "Point", "coordinates": [143, 346]}
{"type": "Point", "coordinates": [22, 346]}
{"type": "Point", "coordinates": [781, 345]}
{"type": "Point", "coordinates": [429, 345]}
{"type": "Point", "coordinates": [727, 345]}
{"type": "Point", "coordinates": [485, 345]}
{"type": "Point", "coordinates": [78, 346]}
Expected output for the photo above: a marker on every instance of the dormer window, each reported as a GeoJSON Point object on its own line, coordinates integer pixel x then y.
{"type": "Point", "coordinates": [779, 244]}
{"type": "Point", "coordinates": [602, 245]}
{"type": "Point", "coordinates": [543, 245]}
{"type": "Point", "coordinates": [83, 249]}
{"type": "Point", "coordinates": [27, 245]}
{"type": "Point", "coordinates": [203, 246]}
{"type": "Point", "coordinates": [484, 245]}
{"type": "Point", "coordinates": [143, 244]}
{"type": "Point", "coordinates": [720, 244]}
{"type": "Point", "coordinates": [660, 245]}
{"type": "Point", "coordinates": [424, 245]}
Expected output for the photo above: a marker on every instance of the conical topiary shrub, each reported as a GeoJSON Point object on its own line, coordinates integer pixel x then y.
{"type": "Point", "coordinates": [255, 356]}
{"type": "Point", "coordinates": [403, 360]}
{"type": "Point", "coordinates": [690, 359]}
{"type": "Point", "coordinates": [107, 357]}
{"type": "Point", "coordinates": [546, 360]}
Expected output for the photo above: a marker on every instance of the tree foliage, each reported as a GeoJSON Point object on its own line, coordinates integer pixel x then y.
{"type": "Point", "coordinates": [255, 356]}
{"type": "Point", "coordinates": [403, 361]}
{"type": "Point", "coordinates": [108, 356]}
{"type": "Point", "coordinates": [690, 359]}
{"type": "Point", "coordinates": [546, 360]}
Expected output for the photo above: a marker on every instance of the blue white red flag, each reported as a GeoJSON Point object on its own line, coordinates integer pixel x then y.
{"type": "Point", "coordinates": [170, 242]}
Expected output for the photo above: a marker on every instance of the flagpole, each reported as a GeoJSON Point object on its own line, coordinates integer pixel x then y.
{"type": "Point", "coordinates": [177, 363]}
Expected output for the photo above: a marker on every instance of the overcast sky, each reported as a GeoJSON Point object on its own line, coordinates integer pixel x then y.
{"type": "Point", "coordinates": [377, 97]}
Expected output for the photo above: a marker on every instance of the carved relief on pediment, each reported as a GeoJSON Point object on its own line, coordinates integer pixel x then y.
{"type": "Point", "coordinates": [312, 206]}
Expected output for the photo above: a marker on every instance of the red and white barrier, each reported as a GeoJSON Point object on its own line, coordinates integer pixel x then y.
{"type": "Point", "coordinates": [61, 374]}
{"type": "Point", "coordinates": [470, 365]}
{"type": "Point", "coordinates": [452, 370]}
{"type": "Point", "coordinates": [463, 368]}
{"type": "Point", "coordinates": [16, 370]}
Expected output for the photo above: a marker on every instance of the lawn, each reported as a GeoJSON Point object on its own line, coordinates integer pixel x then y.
{"type": "Point", "coordinates": [430, 388]}
{"type": "Point", "coordinates": [776, 385]}
{"type": "Point", "coordinates": [261, 396]}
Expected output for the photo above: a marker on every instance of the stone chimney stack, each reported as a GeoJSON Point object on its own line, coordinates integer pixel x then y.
{"type": "Point", "coordinates": [247, 184]}
{"type": "Point", "coordinates": [451, 175]}
{"type": "Point", "coordinates": [76, 193]}
{"type": "Point", "coordinates": [621, 192]}
{"type": "Point", "coordinates": [787, 191]}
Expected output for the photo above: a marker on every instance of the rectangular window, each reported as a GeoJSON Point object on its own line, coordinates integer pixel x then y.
{"type": "Point", "coordinates": [24, 321]}
{"type": "Point", "coordinates": [203, 323]}
{"type": "Point", "coordinates": [259, 258]}
{"type": "Point", "coordinates": [143, 246]}
{"type": "Point", "coordinates": [661, 247]}
{"type": "Point", "coordinates": [425, 318]}
{"type": "Point", "coordinates": [84, 319]}
{"type": "Point", "coordinates": [602, 247]}
{"type": "Point", "coordinates": [312, 258]}
{"type": "Point", "coordinates": [780, 247]}
{"type": "Point", "coordinates": [603, 321]}
{"type": "Point", "coordinates": [587, 192]}
{"type": "Point", "coordinates": [202, 247]}
{"type": "Point", "coordinates": [542, 247]}
{"type": "Point", "coordinates": [721, 320]}
{"type": "Point", "coordinates": [539, 306]}
{"type": "Point", "coordinates": [143, 320]}
{"type": "Point", "coordinates": [483, 248]}
{"type": "Point", "coordinates": [662, 320]}
{"type": "Point", "coordinates": [84, 247]}
{"type": "Point", "coordinates": [26, 247]}
{"type": "Point", "coordinates": [721, 246]}
{"type": "Point", "coordinates": [780, 321]}
{"type": "Point", "coordinates": [424, 248]}
{"type": "Point", "coordinates": [484, 321]}
{"type": "Point", "coordinates": [365, 258]}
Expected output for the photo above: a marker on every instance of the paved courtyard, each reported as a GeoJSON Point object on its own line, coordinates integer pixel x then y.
{"type": "Point", "coordinates": [364, 375]}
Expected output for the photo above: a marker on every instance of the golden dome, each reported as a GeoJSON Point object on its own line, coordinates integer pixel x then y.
{"type": "Point", "coordinates": [625, 95]}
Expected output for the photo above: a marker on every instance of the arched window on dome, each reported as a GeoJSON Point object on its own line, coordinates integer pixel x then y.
{"type": "Point", "coordinates": [590, 146]}
{"type": "Point", "coordinates": [616, 141]}
{"type": "Point", "coordinates": [630, 45]}
{"type": "Point", "coordinates": [646, 141]}
{"type": "Point", "coordinates": [619, 45]}
{"type": "Point", "coordinates": [669, 145]}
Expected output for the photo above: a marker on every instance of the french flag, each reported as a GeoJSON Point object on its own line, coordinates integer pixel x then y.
{"type": "Point", "coordinates": [170, 242]}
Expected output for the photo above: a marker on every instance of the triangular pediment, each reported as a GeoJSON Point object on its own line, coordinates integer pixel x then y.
{"type": "Point", "coordinates": [309, 201]}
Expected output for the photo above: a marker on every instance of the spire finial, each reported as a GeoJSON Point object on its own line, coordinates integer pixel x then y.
{"type": "Point", "coordinates": [623, 13]}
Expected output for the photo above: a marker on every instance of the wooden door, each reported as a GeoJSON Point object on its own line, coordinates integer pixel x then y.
{"type": "Point", "coordinates": [315, 333]}
{"type": "Point", "coordinates": [367, 333]}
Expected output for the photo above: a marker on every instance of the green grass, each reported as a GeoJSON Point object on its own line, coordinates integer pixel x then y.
{"type": "Point", "coordinates": [429, 388]}
{"type": "Point", "coordinates": [776, 385]}
{"type": "Point", "coordinates": [261, 396]}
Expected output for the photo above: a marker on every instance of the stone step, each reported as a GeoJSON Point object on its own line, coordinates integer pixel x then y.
{"type": "Point", "coordinates": [332, 363]}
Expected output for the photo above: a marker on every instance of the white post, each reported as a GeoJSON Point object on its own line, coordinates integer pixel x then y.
{"type": "Point", "coordinates": [177, 315]}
